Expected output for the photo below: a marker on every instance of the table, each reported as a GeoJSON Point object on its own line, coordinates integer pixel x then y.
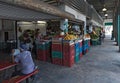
{"type": "Point", "coordinates": [6, 64]}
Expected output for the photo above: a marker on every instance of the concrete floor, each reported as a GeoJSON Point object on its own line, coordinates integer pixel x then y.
{"type": "Point", "coordinates": [100, 65]}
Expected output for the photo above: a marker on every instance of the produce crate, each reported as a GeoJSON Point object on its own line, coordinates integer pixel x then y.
{"type": "Point", "coordinates": [86, 50]}
{"type": "Point", "coordinates": [48, 55]}
{"type": "Point", "coordinates": [41, 55]}
{"type": "Point", "coordinates": [89, 43]}
{"type": "Point", "coordinates": [80, 49]}
{"type": "Point", "coordinates": [69, 61]}
{"type": "Point", "coordinates": [81, 44]}
{"type": "Point", "coordinates": [77, 58]}
{"type": "Point", "coordinates": [41, 46]}
{"type": "Point", "coordinates": [57, 61]}
{"type": "Point", "coordinates": [94, 42]}
{"type": "Point", "coordinates": [57, 40]}
{"type": "Point", "coordinates": [48, 44]}
{"type": "Point", "coordinates": [68, 53]}
{"type": "Point", "coordinates": [56, 54]}
{"type": "Point", "coordinates": [57, 47]}
{"type": "Point", "coordinates": [81, 54]}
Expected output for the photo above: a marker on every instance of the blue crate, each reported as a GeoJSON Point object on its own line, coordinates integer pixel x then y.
{"type": "Point", "coordinates": [80, 49]}
{"type": "Point", "coordinates": [76, 45]}
{"type": "Point", "coordinates": [77, 58]}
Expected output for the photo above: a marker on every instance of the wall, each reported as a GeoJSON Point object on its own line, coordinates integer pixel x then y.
{"type": "Point", "coordinates": [33, 26]}
{"type": "Point", "coordinates": [7, 26]}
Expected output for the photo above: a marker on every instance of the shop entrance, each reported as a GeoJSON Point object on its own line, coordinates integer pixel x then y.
{"type": "Point", "coordinates": [6, 36]}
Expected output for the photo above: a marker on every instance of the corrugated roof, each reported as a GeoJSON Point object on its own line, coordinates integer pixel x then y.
{"type": "Point", "coordinates": [17, 13]}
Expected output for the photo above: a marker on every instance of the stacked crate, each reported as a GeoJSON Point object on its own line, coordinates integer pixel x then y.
{"type": "Point", "coordinates": [57, 52]}
{"type": "Point", "coordinates": [48, 51]}
{"type": "Point", "coordinates": [84, 47]}
{"type": "Point", "coordinates": [94, 42]}
{"type": "Point", "coordinates": [89, 44]}
{"type": "Point", "coordinates": [80, 49]}
{"type": "Point", "coordinates": [41, 51]}
{"type": "Point", "coordinates": [77, 52]}
{"type": "Point", "coordinates": [68, 53]}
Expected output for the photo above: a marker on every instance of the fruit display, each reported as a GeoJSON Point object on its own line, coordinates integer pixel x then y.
{"type": "Point", "coordinates": [87, 36]}
{"type": "Point", "coordinates": [93, 35]}
{"type": "Point", "coordinates": [70, 37]}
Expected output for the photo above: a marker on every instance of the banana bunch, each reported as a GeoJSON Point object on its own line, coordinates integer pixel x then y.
{"type": "Point", "coordinates": [70, 37]}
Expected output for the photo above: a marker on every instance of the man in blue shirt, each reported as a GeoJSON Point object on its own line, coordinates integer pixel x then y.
{"type": "Point", "coordinates": [24, 59]}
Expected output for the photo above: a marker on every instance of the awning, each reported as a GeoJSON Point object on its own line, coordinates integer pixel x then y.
{"type": "Point", "coordinates": [18, 13]}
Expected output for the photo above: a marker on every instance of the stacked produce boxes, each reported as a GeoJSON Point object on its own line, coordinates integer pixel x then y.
{"type": "Point", "coordinates": [48, 50]}
{"type": "Point", "coordinates": [85, 46]}
{"type": "Point", "coordinates": [57, 53]}
{"type": "Point", "coordinates": [68, 53]}
{"type": "Point", "coordinates": [41, 51]}
{"type": "Point", "coordinates": [94, 42]}
{"type": "Point", "coordinates": [80, 49]}
{"type": "Point", "coordinates": [77, 52]}
{"type": "Point", "coordinates": [44, 51]}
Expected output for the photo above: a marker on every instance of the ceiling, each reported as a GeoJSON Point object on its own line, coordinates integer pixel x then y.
{"type": "Point", "coordinates": [108, 4]}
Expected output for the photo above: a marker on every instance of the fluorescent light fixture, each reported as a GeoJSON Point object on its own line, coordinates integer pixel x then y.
{"type": "Point", "coordinates": [41, 22]}
{"type": "Point", "coordinates": [104, 9]}
{"type": "Point", "coordinates": [106, 14]}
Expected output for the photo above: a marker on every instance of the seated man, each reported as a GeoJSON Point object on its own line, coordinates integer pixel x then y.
{"type": "Point", "coordinates": [25, 61]}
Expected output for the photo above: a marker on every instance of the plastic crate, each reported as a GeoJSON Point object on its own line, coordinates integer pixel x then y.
{"type": "Point", "coordinates": [89, 43]}
{"type": "Point", "coordinates": [41, 46]}
{"type": "Point", "coordinates": [94, 43]}
{"type": "Point", "coordinates": [77, 58]}
{"type": "Point", "coordinates": [77, 45]}
{"type": "Point", "coordinates": [81, 55]}
{"type": "Point", "coordinates": [80, 49]}
{"type": "Point", "coordinates": [68, 49]}
{"type": "Point", "coordinates": [68, 61]}
{"type": "Point", "coordinates": [56, 54]}
{"type": "Point", "coordinates": [81, 44]}
{"type": "Point", "coordinates": [57, 47]}
{"type": "Point", "coordinates": [48, 44]}
{"type": "Point", "coordinates": [86, 50]}
{"type": "Point", "coordinates": [41, 55]}
{"type": "Point", "coordinates": [48, 55]}
{"type": "Point", "coordinates": [57, 61]}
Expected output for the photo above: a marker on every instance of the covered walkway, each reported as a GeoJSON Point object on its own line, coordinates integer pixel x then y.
{"type": "Point", "coordinates": [100, 65]}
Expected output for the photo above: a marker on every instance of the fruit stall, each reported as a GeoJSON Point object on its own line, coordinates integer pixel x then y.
{"type": "Point", "coordinates": [63, 50]}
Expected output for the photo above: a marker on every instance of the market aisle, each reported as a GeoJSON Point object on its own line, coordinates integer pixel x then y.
{"type": "Point", "coordinates": [100, 65]}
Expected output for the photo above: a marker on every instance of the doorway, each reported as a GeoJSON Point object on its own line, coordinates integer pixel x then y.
{"type": "Point", "coordinates": [6, 36]}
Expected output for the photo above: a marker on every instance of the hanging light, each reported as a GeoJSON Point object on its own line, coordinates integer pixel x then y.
{"type": "Point", "coordinates": [106, 15]}
{"type": "Point", "coordinates": [104, 9]}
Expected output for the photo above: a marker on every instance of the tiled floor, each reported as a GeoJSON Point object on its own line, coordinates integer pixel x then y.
{"type": "Point", "coordinates": [100, 65]}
